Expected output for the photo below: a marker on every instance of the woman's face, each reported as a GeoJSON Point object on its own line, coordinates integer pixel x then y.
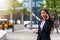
{"type": "Point", "coordinates": [43, 14]}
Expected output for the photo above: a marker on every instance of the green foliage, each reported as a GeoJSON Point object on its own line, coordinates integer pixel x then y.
{"type": "Point", "coordinates": [15, 4]}
{"type": "Point", "coordinates": [53, 6]}
{"type": "Point", "coordinates": [25, 11]}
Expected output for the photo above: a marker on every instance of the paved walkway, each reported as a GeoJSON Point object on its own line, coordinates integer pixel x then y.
{"type": "Point", "coordinates": [22, 33]}
{"type": "Point", "coordinates": [27, 34]}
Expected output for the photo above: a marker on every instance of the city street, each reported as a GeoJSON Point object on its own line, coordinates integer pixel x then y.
{"type": "Point", "coordinates": [26, 34]}
{"type": "Point", "coordinates": [18, 18]}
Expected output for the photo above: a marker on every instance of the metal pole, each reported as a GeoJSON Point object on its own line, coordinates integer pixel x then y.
{"type": "Point", "coordinates": [35, 11]}
{"type": "Point", "coordinates": [22, 18]}
{"type": "Point", "coordinates": [31, 14]}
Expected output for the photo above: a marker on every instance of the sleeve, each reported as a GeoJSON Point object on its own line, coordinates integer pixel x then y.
{"type": "Point", "coordinates": [38, 27]}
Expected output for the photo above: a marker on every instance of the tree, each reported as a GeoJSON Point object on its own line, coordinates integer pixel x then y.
{"type": "Point", "coordinates": [23, 11]}
{"type": "Point", "coordinates": [14, 4]}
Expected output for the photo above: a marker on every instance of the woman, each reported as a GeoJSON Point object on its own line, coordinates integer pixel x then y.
{"type": "Point", "coordinates": [45, 25]}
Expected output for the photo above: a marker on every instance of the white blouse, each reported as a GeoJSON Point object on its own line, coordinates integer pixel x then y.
{"type": "Point", "coordinates": [42, 24]}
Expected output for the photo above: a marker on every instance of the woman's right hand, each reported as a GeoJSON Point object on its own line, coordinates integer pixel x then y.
{"type": "Point", "coordinates": [35, 31]}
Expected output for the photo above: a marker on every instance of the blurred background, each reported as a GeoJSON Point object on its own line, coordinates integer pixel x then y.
{"type": "Point", "coordinates": [22, 16]}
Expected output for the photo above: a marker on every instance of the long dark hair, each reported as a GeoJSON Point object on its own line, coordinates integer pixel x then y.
{"type": "Point", "coordinates": [50, 18]}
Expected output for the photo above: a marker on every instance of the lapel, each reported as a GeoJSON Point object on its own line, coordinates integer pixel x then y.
{"type": "Point", "coordinates": [43, 26]}
{"type": "Point", "coordinates": [39, 25]}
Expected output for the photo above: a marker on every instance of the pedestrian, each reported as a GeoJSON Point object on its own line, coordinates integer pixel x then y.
{"type": "Point", "coordinates": [25, 25]}
{"type": "Point", "coordinates": [45, 25]}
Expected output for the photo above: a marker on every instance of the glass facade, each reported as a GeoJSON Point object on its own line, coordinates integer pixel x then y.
{"type": "Point", "coordinates": [35, 6]}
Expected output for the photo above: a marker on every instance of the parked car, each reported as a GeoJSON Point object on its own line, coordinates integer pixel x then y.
{"type": "Point", "coordinates": [6, 22]}
{"type": "Point", "coordinates": [27, 24]}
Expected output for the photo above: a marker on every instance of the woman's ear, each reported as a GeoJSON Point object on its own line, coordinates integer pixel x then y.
{"type": "Point", "coordinates": [47, 16]}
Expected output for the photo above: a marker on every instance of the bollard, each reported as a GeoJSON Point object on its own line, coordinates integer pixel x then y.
{"type": "Point", "coordinates": [13, 28]}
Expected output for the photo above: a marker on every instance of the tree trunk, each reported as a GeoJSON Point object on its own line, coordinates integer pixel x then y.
{"type": "Point", "coordinates": [10, 16]}
{"type": "Point", "coordinates": [56, 21]}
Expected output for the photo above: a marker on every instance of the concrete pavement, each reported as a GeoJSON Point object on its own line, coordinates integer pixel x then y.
{"type": "Point", "coordinates": [21, 33]}
{"type": "Point", "coordinates": [27, 34]}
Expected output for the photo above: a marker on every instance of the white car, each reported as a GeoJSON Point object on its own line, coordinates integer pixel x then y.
{"type": "Point", "coordinates": [27, 24]}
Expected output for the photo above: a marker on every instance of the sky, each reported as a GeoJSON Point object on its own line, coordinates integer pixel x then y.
{"type": "Point", "coordinates": [3, 4]}
{"type": "Point", "coordinates": [20, 0]}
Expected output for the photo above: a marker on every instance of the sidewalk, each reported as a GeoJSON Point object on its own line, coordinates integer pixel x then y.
{"type": "Point", "coordinates": [22, 33]}
{"type": "Point", "coordinates": [27, 34]}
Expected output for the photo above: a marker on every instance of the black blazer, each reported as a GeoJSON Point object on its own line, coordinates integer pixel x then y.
{"type": "Point", "coordinates": [45, 33]}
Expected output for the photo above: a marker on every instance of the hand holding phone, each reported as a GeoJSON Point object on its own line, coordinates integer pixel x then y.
{"type": "Point", "coordinates": [47, 16]}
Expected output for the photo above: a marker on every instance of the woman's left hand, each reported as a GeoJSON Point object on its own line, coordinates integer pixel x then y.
{"type": "Point", "coordinates": [35, 31]}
